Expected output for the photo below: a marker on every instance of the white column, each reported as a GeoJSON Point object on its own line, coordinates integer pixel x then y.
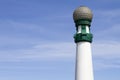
{"type": "Point", "coordinates": [84, 69]}
{"type": "Point", "coordinates": [87, 29]}
{"type": "Point", "coordinates": [79, 29]}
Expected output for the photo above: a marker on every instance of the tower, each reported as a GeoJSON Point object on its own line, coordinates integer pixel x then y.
{"type": "Point", "coordinates": [83, 38]}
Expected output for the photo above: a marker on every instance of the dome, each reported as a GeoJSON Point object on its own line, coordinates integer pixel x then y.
{"type": "Point", "coordinates": [82, 13]}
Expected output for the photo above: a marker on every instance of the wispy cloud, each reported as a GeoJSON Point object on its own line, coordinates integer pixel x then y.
{"type": "Point", "coordinates": [106, 55]}
{"type": "Point", "coordinates": [106, 49]}
{"type": "Point", "coordinates": [35, 50]}
{"type": "Point", "coordinates": [106, 64]}
{"type": "Point", "coordinates": [11, 25]}
{"type": "Point", "coordinates": [106, 25]}
{"type": "Point", "coordinates": [46, 51]}
{"type": "Point", "coordinates": [108, 13]}
{"type": "Point", "coordinates": [112, 32]}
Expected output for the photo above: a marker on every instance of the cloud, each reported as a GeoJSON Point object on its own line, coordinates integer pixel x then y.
{"type": "Point", "coordinates": [106, 18]}
{"type": "Point", "coordinates": [108, 13]}
{"type": "Point", "coordinates": [11, 25]}
{"type": "Point", "coordinates": [106, 55]}
{"type": "Point", "coordinates": [106, 24]}
{"type": "Point", "coordinates": [103, 64]}
{"type": "Point", "coordinates": [48, 51]}
{"type": "Point", "coordinates": [106, 49]}
{"type": "Point", "coordinates": [111, 32]}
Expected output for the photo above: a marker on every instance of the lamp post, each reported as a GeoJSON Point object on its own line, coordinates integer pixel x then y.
{"type": "Point", "coordinates": [83, 38]}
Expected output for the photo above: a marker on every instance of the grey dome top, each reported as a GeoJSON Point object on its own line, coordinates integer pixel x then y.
{"type": "Point", "coordinates": [82, 13]}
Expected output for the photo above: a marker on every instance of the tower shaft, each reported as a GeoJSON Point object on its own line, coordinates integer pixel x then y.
{"type": "Point", "coordinates": [84, 69]}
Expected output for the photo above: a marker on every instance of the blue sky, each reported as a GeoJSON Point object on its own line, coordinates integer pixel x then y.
{"type": "Point", "coordinates": [36, 39]}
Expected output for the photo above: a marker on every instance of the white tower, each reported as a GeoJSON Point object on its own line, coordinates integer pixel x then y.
{"type": "Point", "coordinates": [83, 38]}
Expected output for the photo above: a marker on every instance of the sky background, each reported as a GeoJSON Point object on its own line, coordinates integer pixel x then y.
{"type": "Point", "coordinates": [36, 39]}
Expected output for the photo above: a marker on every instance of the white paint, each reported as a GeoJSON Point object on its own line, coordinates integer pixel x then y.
{"type": "Point", "coordinates": [84, 69]}
{"type": "Point", "coordinates": [79, 29]}
{"type": "Point", "coordinates": [87, 29]}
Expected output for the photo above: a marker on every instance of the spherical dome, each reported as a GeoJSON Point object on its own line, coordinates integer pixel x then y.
{"type": "Point", "coordinates": [82, 13]}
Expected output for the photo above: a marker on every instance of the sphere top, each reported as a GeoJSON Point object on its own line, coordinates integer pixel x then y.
{"type": "Point", "coordinates": [82, 12]}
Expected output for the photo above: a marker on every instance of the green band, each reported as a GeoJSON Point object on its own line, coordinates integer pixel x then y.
{"type": "Point", "coordinates": [79, 37]}
{"type": "Point", "coordinates": [83, 22]}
